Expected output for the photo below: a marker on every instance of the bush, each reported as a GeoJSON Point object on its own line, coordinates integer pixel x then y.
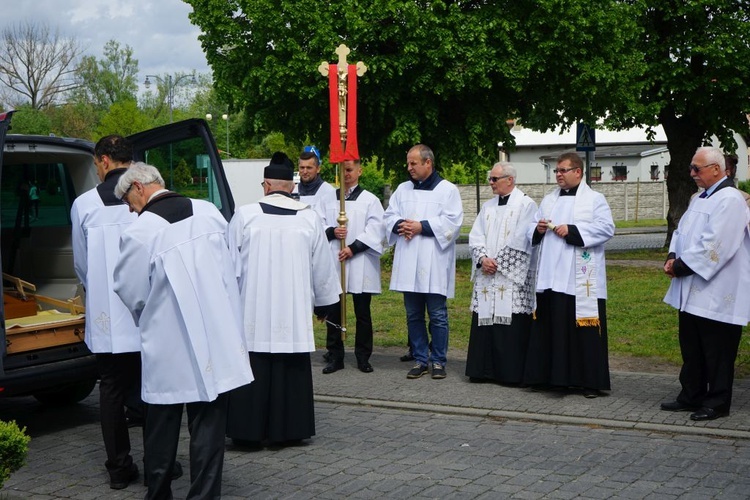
{"type": "Point", "coordinates": [14, 445]}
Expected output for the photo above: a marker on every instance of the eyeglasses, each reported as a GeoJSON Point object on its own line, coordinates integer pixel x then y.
{"type": "Point", "coordinates": [696, 168]}
{"type": "Point", "coordinates": [124, 198]}
{"type": "Point", "coordinates": [495, 179]}
{"type": "Point", "coordinates": [563, 170]}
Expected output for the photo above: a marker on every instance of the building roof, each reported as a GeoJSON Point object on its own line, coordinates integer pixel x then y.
{"type": "Point", "coordinates": [528, 137]}
{"type": "Point", "coordinates": [617, 151]}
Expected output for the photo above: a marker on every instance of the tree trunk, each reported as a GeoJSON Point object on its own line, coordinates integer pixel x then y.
{"type": "Point", "coordinates": [684, 136]}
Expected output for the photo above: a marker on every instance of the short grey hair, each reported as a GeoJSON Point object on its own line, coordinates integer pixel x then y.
{"type": "Point", "coordinates": [713, 155]}
{"type": "Point", "coordinates": [141, 172]}
{"type": "Point", "coordinates": [508, 168]}
{"type": "Point", "coordinates": [279, 185]}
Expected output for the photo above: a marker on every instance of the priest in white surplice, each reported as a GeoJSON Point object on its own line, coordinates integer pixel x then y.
{"type": "Point", "coordinates": [423, 219]}
{"type": "Point", "coordinates": [364, 245]}
{"type": "Point", "coordinates": [503, 297]}
{"type": "Point", "coordinates": [284, 266]}
{"type": "Point", "coordinates": [98, 219]}
{"type": "Point", "coordinates": [568, 345]}
{"type": "Point", "coordinates": [709, 263]}
{"type": "Point", "coordinates": [175, 275]}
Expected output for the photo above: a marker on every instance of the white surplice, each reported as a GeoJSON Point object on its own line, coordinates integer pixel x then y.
{"type": "Point", "coordinates": [425, 264]}
{"type": "Point", "coordinates": [556, 268]}
{"type": "Point", "coordinates": [96, 231]}
{"type": "Point", "coordinates": [713, 239]}
{"type": "Point", "coordinates": [365, 223]}
{"type": "Point", "coordinates": [284, 267]}
{"type": "Point", "coordinates": [325, 194]}
{"type": "Point", "coordinates": [499, 233]}
{"type": "Point", "coordinates": [179, 283]}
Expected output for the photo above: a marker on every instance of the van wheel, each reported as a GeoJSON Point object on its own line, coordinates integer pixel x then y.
{"type": "Point", "coordinates": [66, 394]}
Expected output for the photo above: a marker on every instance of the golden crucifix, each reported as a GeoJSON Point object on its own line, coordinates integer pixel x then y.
{"type": "Point", "coordinates": [340, 150]}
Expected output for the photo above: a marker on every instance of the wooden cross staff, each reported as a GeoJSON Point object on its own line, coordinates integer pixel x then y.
{"type": "Point", "coordinates": [342, 79]}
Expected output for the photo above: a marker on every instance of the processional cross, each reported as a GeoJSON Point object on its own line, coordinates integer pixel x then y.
{"type": "Point", "coordinates": [342, 94]}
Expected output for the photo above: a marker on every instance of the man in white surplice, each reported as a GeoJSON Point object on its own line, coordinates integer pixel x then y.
{"type": "Point", "coordinates": [175, 275]}
{"type": "Point", "coordinates": [503, 297]}
{"type": "Point", "coordinates": [423, 219]}
{"type": "Point", "coordinates": [568, 345]}
{"type": "Point", "coordinates": [709, 264]}
{"type": "Point", "coordinates": [98, 219]}
{"type": "Point", "coordinates": [364, 245]}
{"type": "Point", "coordinates": [284, 266]}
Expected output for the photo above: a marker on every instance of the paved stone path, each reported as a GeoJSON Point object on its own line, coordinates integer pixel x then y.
{"type": "Point", "coordinates": [380, 435]}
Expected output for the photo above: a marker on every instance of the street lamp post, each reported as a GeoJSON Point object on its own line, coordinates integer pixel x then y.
{"type": "Point", "coordinates": [171, 85]}
{"type": "Point", "coordinates": [225, 117]}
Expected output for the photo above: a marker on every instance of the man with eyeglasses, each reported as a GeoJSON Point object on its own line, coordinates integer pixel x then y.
{"type": "Point", "coordinates": [568, 346]}
{"type": "Point", "coordinates": [709, 267]}
{"type": "Point", "coordinates": [423, 219]}
{"type": "Point", "coordinates": [176, 277]}
{"type": "Point", "coordinates": [503, 297]}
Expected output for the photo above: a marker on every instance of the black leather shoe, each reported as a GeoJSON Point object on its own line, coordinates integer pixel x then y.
{"type": "Point", "coordinates": [677, 406]}
{"type": "Point", "coordinates": [176, 473]}
{"type": "Point", "coordinates": [119, 484]}
{"type": "Point", "coordinates": [333, 366]}
{"type": "Point", "coordinates": [409, 356]}
{"type": "Point", "coordinates": [365, 367]}
{"type": "Point", "coordinates": [707, 414]}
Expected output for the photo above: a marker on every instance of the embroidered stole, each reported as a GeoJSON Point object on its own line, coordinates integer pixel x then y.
{"type": "Point", "coordinates": [494, 293]}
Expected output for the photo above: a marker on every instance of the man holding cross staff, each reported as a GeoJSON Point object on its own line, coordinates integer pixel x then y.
{"type": "Point", "coordinates": [342, 93]}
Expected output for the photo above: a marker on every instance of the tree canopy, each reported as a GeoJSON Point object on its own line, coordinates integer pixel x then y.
{"type": "Point", "coordinates": [446, 73]}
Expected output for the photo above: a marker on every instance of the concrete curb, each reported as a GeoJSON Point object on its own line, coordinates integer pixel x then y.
{"type": "Point", "coordinates": [537, 417]}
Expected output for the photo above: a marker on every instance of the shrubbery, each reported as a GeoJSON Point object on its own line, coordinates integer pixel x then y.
{"type": "Point", "coordinates": [14, 445]}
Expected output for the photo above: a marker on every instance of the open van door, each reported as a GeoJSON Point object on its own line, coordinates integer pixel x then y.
{"type": "Point", "coordinates": [187, 157]}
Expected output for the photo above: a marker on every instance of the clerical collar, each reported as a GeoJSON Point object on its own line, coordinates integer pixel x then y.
{"type": "Point", "coordinates": [569, 192]}
{"type": "Point", "coordinates": [503, 200]}
{"type": "Point", "coordinates": [283, 193]}
{"type": "Point", "coordinates": [429, 183]}
{"type": "Point", "coordinates": [310, 188]}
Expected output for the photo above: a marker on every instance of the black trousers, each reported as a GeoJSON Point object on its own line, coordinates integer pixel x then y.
{"type": "Point", "coordinates": [207, 426]}
{"type": "Point", "coordinates": [709, 349]}
{"type": "Point", "coordinates": [363, 336]}
{"type": "Point", "coordinates": [120, 377]}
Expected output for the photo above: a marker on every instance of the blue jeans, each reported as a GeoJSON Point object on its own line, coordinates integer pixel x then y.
{"type": "Point", "coordinates": [415, 304]}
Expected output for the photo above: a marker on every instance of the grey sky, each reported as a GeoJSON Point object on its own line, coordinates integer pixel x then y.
{"type": "Point", "coordinates": [159, 31]}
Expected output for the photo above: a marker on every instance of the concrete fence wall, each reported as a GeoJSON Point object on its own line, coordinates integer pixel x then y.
{"type": "Point", "coordinates": [628, 200]}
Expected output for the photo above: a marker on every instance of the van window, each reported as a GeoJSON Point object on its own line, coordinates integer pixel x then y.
{"type": "Point", "coordinates": [35, 194]}
{"type": "Point", "coordinates": [186, 169]}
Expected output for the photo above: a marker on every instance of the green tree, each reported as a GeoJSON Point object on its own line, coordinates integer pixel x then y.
{"type": "Point", "coordinates": [124, 118]}
{"type": "Point", "coordinates": [182, 175]}
{"type": "Point", "coordinates": [112, 79]}
{"type": "Point", "coordinates": [74, 119]}
{"type": "Point", "coordinates": [28, 120]}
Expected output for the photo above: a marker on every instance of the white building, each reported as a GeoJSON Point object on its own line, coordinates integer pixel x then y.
{"type": "Point", "coordinates": [626, 156]}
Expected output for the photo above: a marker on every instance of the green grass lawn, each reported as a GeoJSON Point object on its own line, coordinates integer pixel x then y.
{"type": "Point", "coordinates": [640, 323]}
